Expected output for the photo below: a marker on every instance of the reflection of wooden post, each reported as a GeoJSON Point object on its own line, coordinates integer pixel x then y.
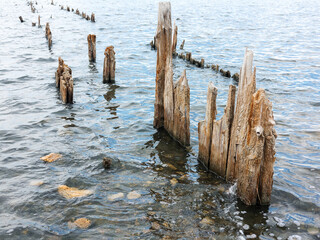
{"type": "Point", "coordinates": [93, 17]}
{"type": "Point", "coordinates": [64, 81]}
{"type": "Point", "coordinates": [205, 127]}
{"type": "Point", "coordinates": [92, 47]}
{"type": "Point", "coordinates": [109, 65]}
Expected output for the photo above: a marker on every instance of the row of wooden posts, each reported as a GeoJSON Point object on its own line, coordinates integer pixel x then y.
{"type": "Point", "coordinates": [188, 57]}
{"type": "Point", "coordinates": [83, 14]}
{"type": "Point", "coordinates": [241, 145]}
{"type": "Point", "coordinates": [63, 74]}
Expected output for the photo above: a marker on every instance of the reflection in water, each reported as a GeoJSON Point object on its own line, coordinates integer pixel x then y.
{"type": "Point", "coordinates": [92, 67]}
{"type": "Point", "coordinates": [111, 94]}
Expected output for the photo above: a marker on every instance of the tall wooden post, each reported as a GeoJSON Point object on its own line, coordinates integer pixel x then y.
{"type": "Point", "coordinates": [109, 65]}
{"type": "Point", "coordinates": [163, 43]}
{"type": "Point", "coordinates": [92, 47]}
{"type": "Point", "coordinates": [175, 38]}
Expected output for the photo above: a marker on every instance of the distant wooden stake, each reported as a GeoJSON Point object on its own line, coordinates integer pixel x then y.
{"type": "Point", "coordinates": [93, 17]}
{"type": "Point", "coordinates": [92, 47]}
{"type": "Point", "coordinates": [39, 25]}
{"type": "Point", "coordinates": [182, 45]}
{"type": "Point", "coordinates": [109, 65]}
{"type": "Point", "coordinates": [175, 38]}
{"type": "Point", "coordinates": [49, 35]}
{"type": "Point", "coordinates": [21, 19]}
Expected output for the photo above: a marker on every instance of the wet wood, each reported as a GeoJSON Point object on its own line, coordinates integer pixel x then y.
{"type": "Point", "coordinates": [188, 56]}
{"type": "Point", "coordinates": [205, 127]}
{"type": "Point", "coordinates": [92, 47]}
{"type": "Point", "coordinates": [68, 8]}
{"type": "Point", "coordinates": [21, 19]}
{"type": "Point", "coordinates": [88, 18]}
{"type": "Point", "coordinates": [93, 17]}
{"type": "Point", "coordinates": [236, 77]}
{"type": "Point", "coordinates": [64, 81]}
{"type": "Point", "coordinates": [33, 24]}
{"type": "Point", "coordinates": [109, 65]}
{"type": "Point", "coordinates": [39, 25]}
{"type": "Point", "coordinates": [77, 12]}
{"type": "Point", "coordinates": [225, 73]}
{"type": "Point", "coordinates": [182, 45]}
{"type": "Point", "coordinates": [221, 131]}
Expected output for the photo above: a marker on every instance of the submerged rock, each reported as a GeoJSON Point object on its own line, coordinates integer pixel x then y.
{"type": "Point", "coordinates": [115, 196]}
{"type": "Point", "coordinates": [51, 157]}
{"type": "Point", "coordinates": [36, 183]}
{"type": "Point", "coordinates": [133, 195]}
{"type": "Point", "coordinates": [71, 192]}
{"type": "Point", "coordinates": [173, 181]}
{"type": "Point", "coordinates": [107, 162]}
{"type": "Point", "coordinates": [80, 223]}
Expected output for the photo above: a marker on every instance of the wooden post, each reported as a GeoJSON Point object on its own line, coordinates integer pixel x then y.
{"type": "Point", "coordinates": [221, 136]}
{"type": "Point", "coordinates": [39, 25]}
{"type": "Point", "coordinates": [92, 47]}
{"type": "Point", "coordinates": [88, 18]}
{"type": "Point", "coordinates": [109, 65]}
{"type": "Point", "coordinates": [93, 17]}
{"type": "Point", "coordinates": [202, 63]}
{"type": "Point", "coordinates": [182, 45]}
{"type": "Point", "coordinates": [175, 38]}
{"type": "Point", "coordinates": [205, 127]}
{"type": "Point", "coordinates": [163, 43]}
{"type": "Point", "coordinates": [188, 56]}
{"type": "Point", "coordinates": [64, 81]}
{"type": "Point", "coordinates": [246, 88]}
{"type": "Point", "coordinates": [172, 104]}
{"type": "Point", "coordinates": [21, 19]}
{"type": "Point", "coordinates": [77, 12]}
{"type": "Point", "coordinates": [68, 8]}
{"type": "Point", "coordinates": [34, 24]}
{"type": "Point", "coordinates": [181, 118]}
{"type": "Point", "coordinates": [49, 35]}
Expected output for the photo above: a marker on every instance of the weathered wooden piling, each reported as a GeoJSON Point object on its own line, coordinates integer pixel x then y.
{"type": "Point", "coordinates": [64, 81]}
{"type": "Point", "coordinates": [236, 77]}
{"type": "Point", "coordinates": [34, 24]}
{"type": "Point", "coordinates": [48, 35]}
{"type": "Point", "coordinates": [172, 103]}
{"type": "Point", "coordinates": [39, 25]}
{"type": "Point", "coordinates": [51, 2]}
{"type": "Point", "coordinates": [188, 56]}
{"type": "Point", "coordinates": [88, 18]}
{"type": "Point", "coordinates": [68, 8]}
{"type": "Point", "coordinates": [241, 145]}
{"type": "Point", "coordinates": [21, 19]}
{"type": "Point", "coordinates": [225, 73]}
{"type": "Point", "coordinates": [202, 63]}
{"type": "Point", "coordinates": [92, 47]}
{"type": "Point", "coordinates": [109, 65]}
{"type": "Point", "coordinates": [182, 45]}
{"type": "Point", "coordinates": [221, 136]}
{"type": "Point", "coordinates": [77, 12]}
{"type": "Point", "coordinates": [93, 17]}
{"type": "Point", "coordinates": [83, 15]}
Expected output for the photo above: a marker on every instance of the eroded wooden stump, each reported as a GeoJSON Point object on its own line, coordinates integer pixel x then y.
{"type": "Point", "coordinates": [21, 19]}
{"type": "Point", "coordinates": [175, 39]}
{"type": "Point", "coordinates": [93, 17]}
{"type": "Point", "coordinates": [109, 65]}
{"type": "Point", "coordinates": [64, 81]}
{"type": "Point", "coordinates": [49, 35]}
{"type": "Point", "coordinates": [92, 47]}
{"type": "Point", "coordinates": [182, 45]}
